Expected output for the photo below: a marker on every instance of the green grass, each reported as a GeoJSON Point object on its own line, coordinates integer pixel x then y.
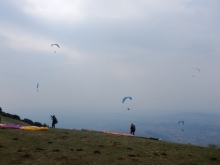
{"type": "Point", "coordinates": [62, 146]}
{"type": "Point", "coordinates": [7, 120]}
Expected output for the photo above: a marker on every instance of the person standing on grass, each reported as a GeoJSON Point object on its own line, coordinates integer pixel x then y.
{"type": "Point", "coordinates": [54, 121]}
{"type": "Point", "coordinates": [132, 128]}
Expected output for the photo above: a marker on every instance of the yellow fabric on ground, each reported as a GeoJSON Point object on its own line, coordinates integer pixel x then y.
{"type": "Point", "coordinates": [34, 128]}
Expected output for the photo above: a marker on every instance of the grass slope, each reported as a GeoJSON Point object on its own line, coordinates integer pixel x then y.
{"type": "Point", "coordinates": [62, 146]}
{"type": "Point", "coordinates": [7, 120]}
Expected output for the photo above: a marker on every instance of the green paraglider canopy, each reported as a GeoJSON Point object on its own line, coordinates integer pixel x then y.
{"type": "Point", "coordinates": [195, 69]}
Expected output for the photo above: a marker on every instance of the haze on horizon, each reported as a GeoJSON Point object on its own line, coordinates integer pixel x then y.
{"type": "Point", "coordinates": [109, 50]}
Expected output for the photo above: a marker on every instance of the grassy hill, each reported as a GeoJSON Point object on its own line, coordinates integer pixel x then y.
{"type": "Point", "coordinates": [62, 146]}
{"type": "Point", "coordinates": [7, 120]}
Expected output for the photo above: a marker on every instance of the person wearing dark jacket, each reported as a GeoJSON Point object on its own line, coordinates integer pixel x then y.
{"type": "Point", "coordinates": [54, 121]}
{"type": "Point", "coordinates": [132, 128]}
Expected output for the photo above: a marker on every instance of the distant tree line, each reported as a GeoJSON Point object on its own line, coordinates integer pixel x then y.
{"type": "Point", "coordinates": [16, 117]}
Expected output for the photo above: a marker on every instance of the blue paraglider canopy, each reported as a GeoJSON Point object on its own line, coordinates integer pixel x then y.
{"type": "Point", "coordinates": [125, 98]}
{"type": "Point", "coordinates": [181, 121]}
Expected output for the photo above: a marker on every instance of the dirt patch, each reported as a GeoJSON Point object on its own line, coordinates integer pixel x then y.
{"type": "Point", "coordinates": [56, 150]}
{"type": "Point", "coordinates": [15, 139]}
{"type": "Point", "coordinates": [1, 146]}
{"type": "Point", "coordinates": [97, 152]}
{"type": "Point", "coordinates": [164, 154]}
{"type": "Point", "coordinates": [101, 145]}
{"type": "Point", "coordinates": [213, 159]}
{"type": "Point", "coordinates": [49, 142]}
{"type": "Point", "coordinates": [79, 149]}
{"type": "Point", "coordinates": [132, 155]}
{"type": "Point", "coordinates": [20, 151]}
{"type": "Point", "coordinates": [129, 149]}
{"type": "Point", "coordinates": [39, 149]}
{"type": "Point", "coordinates": [121, 158]}
{"type": "Point", "coordinates": [26, 156]}
{"type": "Point", "coordinates": [155, 154]}
{"type": "Point", "coordinates": [116, 143]}
{"type": "Point", "coordinates": [64, 157]}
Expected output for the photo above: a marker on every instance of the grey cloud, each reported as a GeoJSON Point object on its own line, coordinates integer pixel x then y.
{"type": "Point", "coordinates": [146, 55]}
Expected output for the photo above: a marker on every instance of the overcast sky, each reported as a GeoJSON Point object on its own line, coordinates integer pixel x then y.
{"type": "Point", "coordinates": [108, 50]}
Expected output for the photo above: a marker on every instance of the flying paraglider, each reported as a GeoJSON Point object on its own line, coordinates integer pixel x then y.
{"type": "Point", "coordinates": [181, 122]}
{"type": "Point", "coordinates": [125, 98]}
{"type": "Point", "coordinates": [37, 85]}
{"type": "Point", "coordinates": [196, 69]}
{"type": "Point", "coordinates": [56, 45]}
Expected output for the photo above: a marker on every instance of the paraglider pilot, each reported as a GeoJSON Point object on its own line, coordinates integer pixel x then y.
{"type": "Point", "coordinates": [132, 128]}
{"type": "Point", "coordinates": [54, 121]}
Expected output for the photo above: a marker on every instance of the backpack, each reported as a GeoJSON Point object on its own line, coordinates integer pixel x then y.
{"type": "Point", "coordinates": [55, 120]}
{"type": "Point", "coordinates": [134, 128]}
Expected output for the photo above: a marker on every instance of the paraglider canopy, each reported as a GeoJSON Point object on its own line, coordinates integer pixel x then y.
{"type": "Point", "coordinates": [194, 69]}
{"type": "Point", "coordinates": [125, 98]}
{"type": "Point", "coordinates": [181, 121]}
{"type": "Point", "coordinates": [56, 45]}
{"type": "Point", "coordinates": [37, 85]}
